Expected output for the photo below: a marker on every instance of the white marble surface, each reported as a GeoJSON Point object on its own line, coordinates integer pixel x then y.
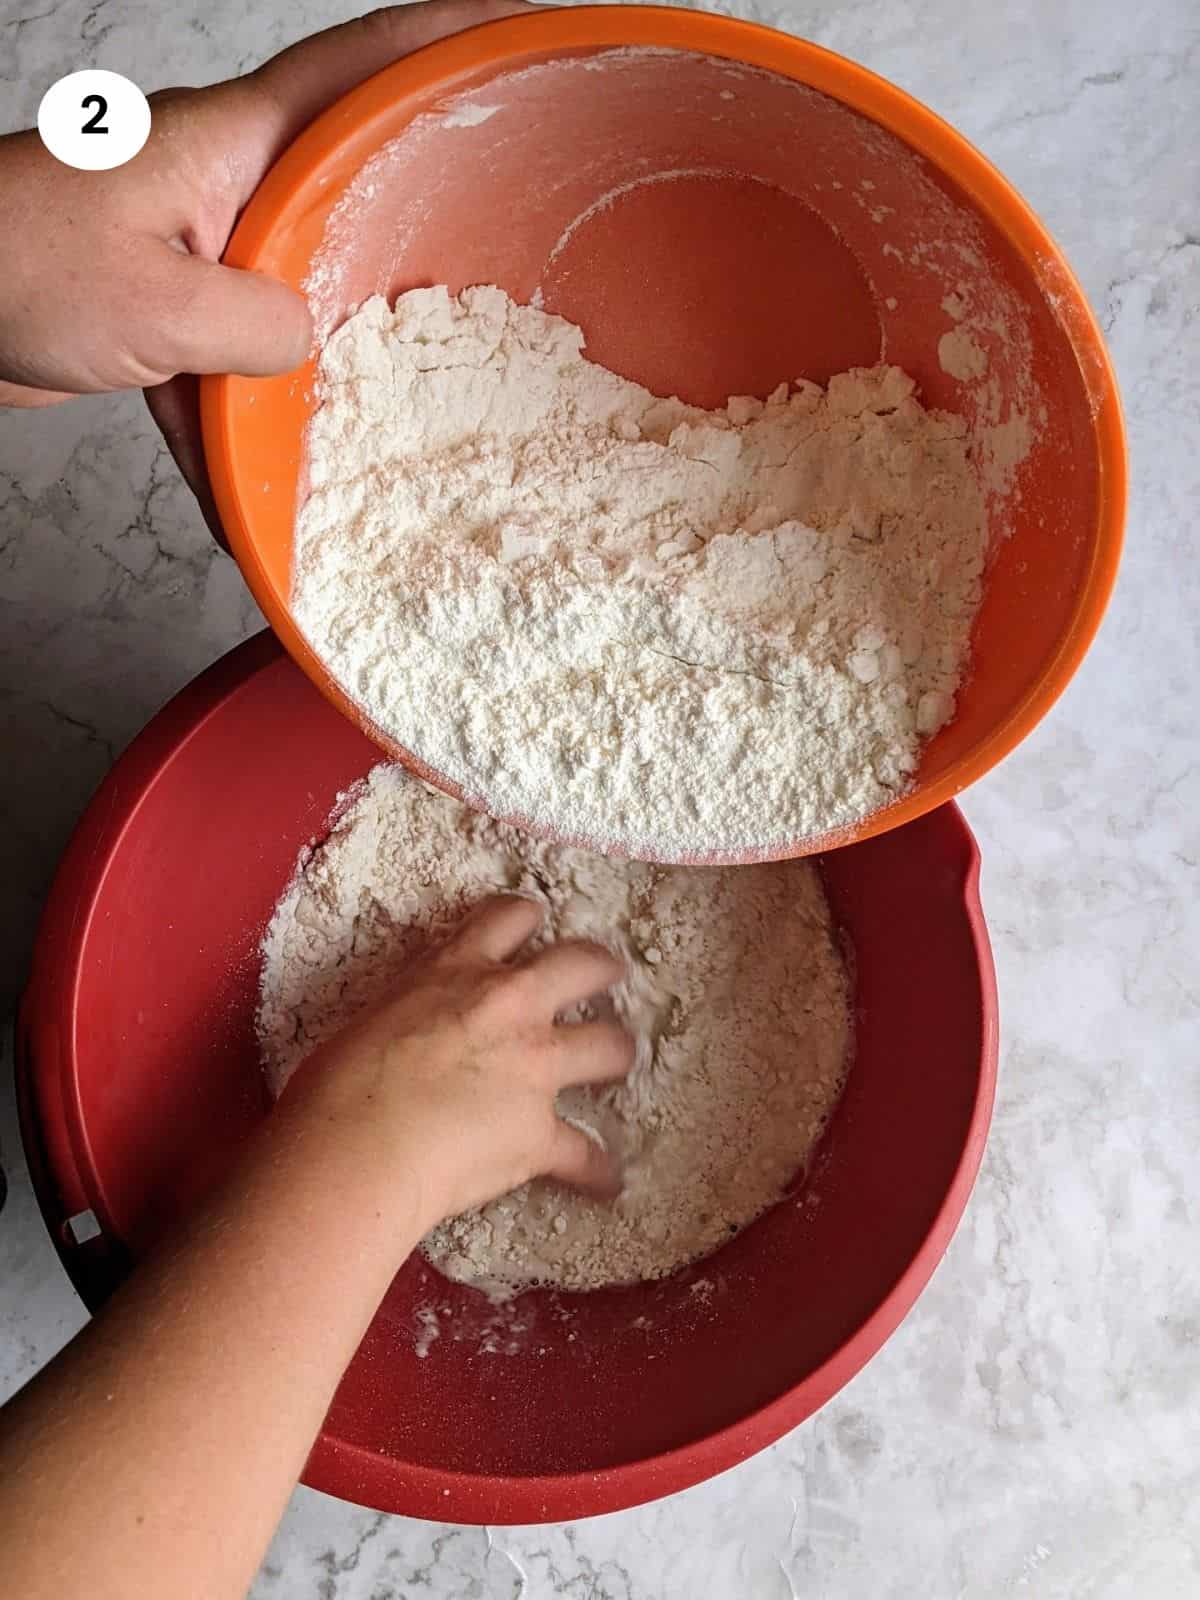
{"type": "Point", "coordinates": [1035, 1425]}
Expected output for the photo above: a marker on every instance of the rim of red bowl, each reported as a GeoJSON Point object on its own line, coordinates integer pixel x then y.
{"type": "Point", "coordinates": [58, 1151]}
{"type": "Point", "coordinates": [493, 45]}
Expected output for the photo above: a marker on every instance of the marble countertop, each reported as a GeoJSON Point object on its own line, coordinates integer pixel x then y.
{"type": "Point", "coordinates": [1032, 1427]}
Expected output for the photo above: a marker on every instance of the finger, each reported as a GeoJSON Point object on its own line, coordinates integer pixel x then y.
{"type": "Point", "coordinates": [498, 928]}
{"type": "Point", "coordinates": [571, 972]}
{"type": "Point", "coordinates": [175, 407]}
{"type": "Point", "coordinates": [578, 1160]}
{"type": "Point", "coordinates": [219, 319]}
{"type": "Point", "coordinates": [28, 398]}
{"type": "Point", "coordinates": [297, 85]}
{"type": "Point", "coordinates": [592, 1052]}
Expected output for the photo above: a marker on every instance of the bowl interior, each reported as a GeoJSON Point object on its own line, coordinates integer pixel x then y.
{"type": "Point", "coordinates": [715, 228]}
{"type": "Point", "coordinates": [141, 1029]}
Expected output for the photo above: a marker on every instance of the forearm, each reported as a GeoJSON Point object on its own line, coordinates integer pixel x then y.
{"type": "Point", "coordinates": [176, 1425]}
{"type": "Point", "coordinates": [152, 1460]}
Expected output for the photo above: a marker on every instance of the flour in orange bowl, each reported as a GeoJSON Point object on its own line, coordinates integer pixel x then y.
{"type": "Point", "coordinates": [620, 618]}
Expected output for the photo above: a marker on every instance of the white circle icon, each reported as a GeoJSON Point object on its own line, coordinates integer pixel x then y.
{"type": "Point", "coordinates": [94, 120]}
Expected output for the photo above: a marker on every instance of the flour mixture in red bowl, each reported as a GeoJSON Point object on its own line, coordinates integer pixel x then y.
{"type": "Point", "coordinates": [140, 1074]}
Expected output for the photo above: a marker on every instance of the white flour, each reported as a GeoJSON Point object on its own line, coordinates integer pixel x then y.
{"type": "Point", "coordinates": [736, 993]}
{"type": "Point", "coordinates": [617, 617]}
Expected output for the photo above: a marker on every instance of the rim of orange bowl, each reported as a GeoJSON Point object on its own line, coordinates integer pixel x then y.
{"type": "Point", "coordinates": [450, 62]}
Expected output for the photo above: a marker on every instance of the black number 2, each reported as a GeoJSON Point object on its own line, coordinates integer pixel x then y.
{"type": "Point", "coordinates": [92, 125]}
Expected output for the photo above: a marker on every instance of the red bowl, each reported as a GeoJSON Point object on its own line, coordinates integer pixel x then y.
{"type": "Point", "coordinates": [138, 1076]}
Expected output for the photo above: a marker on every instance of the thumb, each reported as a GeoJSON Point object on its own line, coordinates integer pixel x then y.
{"type": "Point", "coordinates": [221, 319]}
{"type": "Point", "coordinates": [498, 927]}
{"type": "Point", "coordinates": [582, 1162]}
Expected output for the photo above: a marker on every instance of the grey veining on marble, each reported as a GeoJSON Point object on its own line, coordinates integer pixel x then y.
{"type": "Point", "coordinates": [1034, 1427]}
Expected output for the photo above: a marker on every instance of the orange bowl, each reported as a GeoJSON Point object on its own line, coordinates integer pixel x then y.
{"type": "Point", "coordinates": [721, 208]}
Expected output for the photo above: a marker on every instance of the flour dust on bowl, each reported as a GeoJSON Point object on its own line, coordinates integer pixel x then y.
{"type": "Point", "coordinates": [140, 1074]}
{"type": "Point", "coordinates": [725, 215]}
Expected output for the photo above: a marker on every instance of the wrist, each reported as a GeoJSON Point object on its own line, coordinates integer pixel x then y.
{"type": "Point", "coordinates": [379, 1175]}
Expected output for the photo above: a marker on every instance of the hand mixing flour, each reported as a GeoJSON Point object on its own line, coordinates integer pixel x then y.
{"type": "Point", "coordinates": [736, 993]}
{"type": "Point", "coordinates": [617, 616]}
